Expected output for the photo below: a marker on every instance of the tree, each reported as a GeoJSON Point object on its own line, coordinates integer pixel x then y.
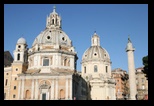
{"type": "Point", "coordinates": [145, 68]}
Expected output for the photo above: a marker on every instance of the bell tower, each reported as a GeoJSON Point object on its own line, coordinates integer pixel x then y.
{"type": "Point", "coordinates": [20, 52]}
{"type": "Point", "coordinates": [19, 65]}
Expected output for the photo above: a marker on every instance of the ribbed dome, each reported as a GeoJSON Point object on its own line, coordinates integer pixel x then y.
{"type": "Point", "coordinates": [52, 37]}
{"type": "Point", "coordinates": [95, 53]}
{"type": "Point", "coordinates": [21, 41]}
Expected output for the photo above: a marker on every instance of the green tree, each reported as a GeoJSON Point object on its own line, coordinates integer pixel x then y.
{"type": "Point", "coordinates": [145, 68]}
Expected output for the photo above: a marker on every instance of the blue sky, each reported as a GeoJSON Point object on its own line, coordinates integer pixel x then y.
{"type": "Point", "coordinates": [112, 22]}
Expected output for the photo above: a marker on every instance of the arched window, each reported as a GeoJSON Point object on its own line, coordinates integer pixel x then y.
{"type": "Point", "coordinates": [106, 69]}
{"type": "Point", "coordinates": [62, 95]}
{"type": "Point", "coordinates": [52, 21]}
{"type": "Point", "coordinates": [65, 61]}
{"type": "Point", "coordinates": [18, 56]}
{"type": "Point", "coordinates": [27, 95]}
{"type": "Point", "coordinates": [85, 69]}
{"type": "Point", "coordinates": [95, 68]}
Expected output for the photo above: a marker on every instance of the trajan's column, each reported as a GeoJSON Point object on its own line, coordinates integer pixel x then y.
{"type": "Point", "coordinates": [131, 68]}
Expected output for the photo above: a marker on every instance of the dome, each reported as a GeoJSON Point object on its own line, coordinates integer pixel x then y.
{"type": "Point", "coordinates": [95, 53]}
{"type": "Point", "coordinates": [52, 37]}
{"type": "Point", "coordinates": [21, 41]}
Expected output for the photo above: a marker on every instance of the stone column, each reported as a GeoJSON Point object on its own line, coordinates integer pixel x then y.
{"type": "Point", "coordinates": [56, 89]}
{"type": "Point", "coordinates": [36, 89]}
{"type": "Point", "coordinates": [71, 88]}
{"type": "Point", "coordinates": [131, 68]}
{"type": "Point", "coordinates": [32, 89]}
{"type": "Point", "coordinates": [19, 88]}
{"type": "Point", "coordinates": [52, 90]}
{"type": "Point", "coordinates": [22, 89]}
{"type": "Point", "coordinates": [66, 94]}
{"type": "Point", "coordinates": [114, 93]}
{"type": "Point", "coordinates": [132, 77]}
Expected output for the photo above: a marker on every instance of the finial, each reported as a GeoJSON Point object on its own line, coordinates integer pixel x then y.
{"type": "Point", "coordinates": [54, 8]}
{"type": "Point", "coordinates": [94, 32]}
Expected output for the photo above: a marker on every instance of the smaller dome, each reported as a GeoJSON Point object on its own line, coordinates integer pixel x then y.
{"type": "Point", "coordinates": [21, 41]}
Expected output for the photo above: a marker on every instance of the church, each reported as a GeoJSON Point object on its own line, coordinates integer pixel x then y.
{"type": "Point", "coordinates": [96, 70]}
{"type": "Point", "coordinates": [47, 70]}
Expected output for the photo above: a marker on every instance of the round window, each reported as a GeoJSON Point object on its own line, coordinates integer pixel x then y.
{"type": "Point", "coordinates": [95, 54]}
{"type": "Point", "coordinates": [48, 37]}
{"type": "Point", "coordinates": [63, 38]}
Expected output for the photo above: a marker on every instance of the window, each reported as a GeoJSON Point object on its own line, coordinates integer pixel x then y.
{"type": "Point", "coordinates": [143, 87]}
{"type": "Point", "coordinates": [16, 69]}
{"type": "Point", "coordinates": [14, 96]}
{"type": "Point", "coordinates": [43, 96]}
{"type": "Point", "coordinates": [63, 38]}
{"type": "Point", "coordinates": [7, 73]}
{"type": "Point", "coordinates": [15, 78]}
{"type": "Point", "coordinates": [65, 61]}
{"type": "Point", "coordinates": [45, 62]}
{"type": "Point", "coordinates": [52, 21]}
{"type": "Point", "coordinates": [14, 87]}
{"type": "Point", "coordinates": [95, 54]}
{"type": "Point", "coordinates": [84, 69]}
{"type": "Point", "coordinates": [6, 82]}
{"type": "Point", "coordinates": [48, 37]}
{"type": "Point", "coordinates": [106, 69]}
{"type": "Point", "coordinates": [19, 46]}
{"type": "Point", "coordinates": [95, 68]}
{"type": "Point", "coordinates": [18, 56]}
{"type": "Point", "coordinates": [142, 79]}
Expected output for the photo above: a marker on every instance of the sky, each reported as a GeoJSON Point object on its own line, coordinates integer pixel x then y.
{"type": "Point", "coordinates": [112, 23]}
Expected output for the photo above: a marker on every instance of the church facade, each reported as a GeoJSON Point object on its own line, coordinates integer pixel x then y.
{"type": "Point", "coordinates": [47, 70]}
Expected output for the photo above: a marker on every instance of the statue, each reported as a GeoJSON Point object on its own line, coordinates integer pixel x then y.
{"type": "Point", "coordinates": [129, 39]}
